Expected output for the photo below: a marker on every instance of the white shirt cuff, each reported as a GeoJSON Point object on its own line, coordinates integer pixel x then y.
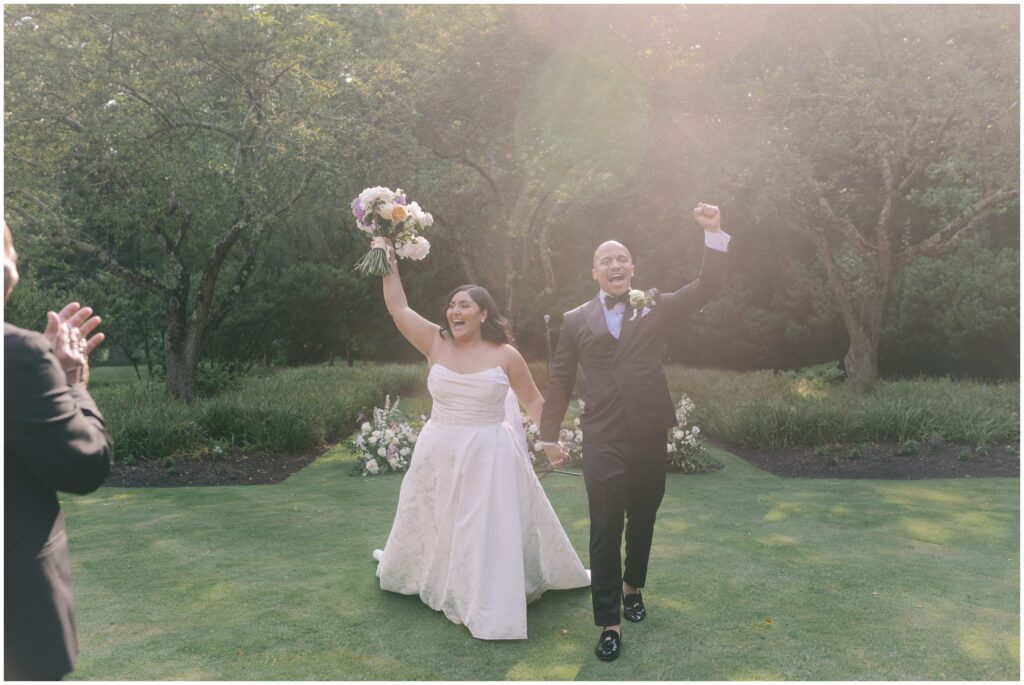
{"type": "Point", "coordinates": [718, 240]}
{"type": "Point", "coordinates": [544, 443]}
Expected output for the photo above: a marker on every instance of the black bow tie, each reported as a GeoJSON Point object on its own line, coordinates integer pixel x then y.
{"type": "Point", "coordinates": [611, 300]}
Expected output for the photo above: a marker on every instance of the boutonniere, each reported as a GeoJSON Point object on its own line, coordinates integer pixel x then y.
{"type": "Point", "coordinates": [638, 299]}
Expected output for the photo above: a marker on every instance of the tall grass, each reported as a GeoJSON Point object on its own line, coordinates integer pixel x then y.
{"type": "Point", "coordinates": [305, 407]}
{"type": "Point", "coordinates": [285, 409]}
{"type": "Point", "coordinates": [767, 410]}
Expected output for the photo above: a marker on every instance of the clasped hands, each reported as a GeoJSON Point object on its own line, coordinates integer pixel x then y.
{"type": "Point", "coordinates": [556, 454]}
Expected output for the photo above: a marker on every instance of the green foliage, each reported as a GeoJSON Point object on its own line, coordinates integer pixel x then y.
{"type": "Point", "coordinates": [824, 374]}
{"type": "Point", "coordinates": [291, 409]}
{"type": "Point", "coordinates": [907, 448]}
{"type": "Point", "coordinates": [961, 312]}
{"type": "Point", "coordinates": [766, 410]}
{"type": "Point", "coordinates": [532, 133]}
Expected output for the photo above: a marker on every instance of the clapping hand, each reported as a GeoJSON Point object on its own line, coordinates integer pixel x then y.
{"type": "Point", "coordinates": [68, 332]}
{"type": "Point", "coordinates": [709, 217]}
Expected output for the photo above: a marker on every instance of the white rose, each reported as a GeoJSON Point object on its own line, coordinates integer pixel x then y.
{"type": "Point", "coordinates": [426, 219]}
{"type": "Point", "coordinates": [371, 466]}
{"type": "Point", "coordinates": [677, 434]}
{"type": "Point", "coordinates": [382, 452]}
{"type": "Point", "coordinates": [404, 451]}
{"type": "Point", "coordinates": [372, 440]}
{"type": "Point", "coordinates": [370, 195]}
{"type": "Point", "coordinates": [416, 249]}
{"type": "Point", "coordinates": [671, 447]}
{"type": "Point", "coordinates": [415, 211]}
{"type": "Point", "coordinates": [366, 428]}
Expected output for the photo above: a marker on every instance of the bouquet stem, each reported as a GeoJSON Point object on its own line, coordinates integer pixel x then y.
{"type": "Point", "coordinates": [374, 263]}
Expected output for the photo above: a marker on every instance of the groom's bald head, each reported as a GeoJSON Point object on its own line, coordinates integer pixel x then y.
{"type": "Point", "coordinates": [610, 246]}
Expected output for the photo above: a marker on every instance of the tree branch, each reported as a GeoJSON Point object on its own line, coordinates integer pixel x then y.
{"type": "Point", "coordinates": [952, 233]}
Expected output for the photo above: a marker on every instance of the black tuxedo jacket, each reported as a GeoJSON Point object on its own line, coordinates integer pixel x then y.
{"type": "Point", "coordinates": [627, 393]}
{"type": "Point", "coordinates": [54, 440]}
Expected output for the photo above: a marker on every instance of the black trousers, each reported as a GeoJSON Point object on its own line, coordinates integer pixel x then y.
{"type": "Point", "coordinates": [625, 484]}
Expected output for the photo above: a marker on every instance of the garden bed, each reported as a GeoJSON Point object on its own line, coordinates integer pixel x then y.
{"type": "Point", "coordinates": [888, 461]}
{"type": "Point", "coordinates": [878, 461]}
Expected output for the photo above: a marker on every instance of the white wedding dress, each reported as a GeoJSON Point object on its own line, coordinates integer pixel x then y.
{"type": "Point", "coordinates": [474, 535]}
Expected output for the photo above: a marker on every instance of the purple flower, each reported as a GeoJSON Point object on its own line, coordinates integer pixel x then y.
{"type": "Point", "coordinates": [400, 199]}
{"type": "Point", "coordinates": [357, 209]}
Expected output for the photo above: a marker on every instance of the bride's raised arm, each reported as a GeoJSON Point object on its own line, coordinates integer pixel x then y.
{"type": "Point", "coordinates": [417, 330]}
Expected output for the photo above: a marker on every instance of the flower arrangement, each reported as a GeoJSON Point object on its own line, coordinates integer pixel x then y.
{"type": "Point", "coordinates": [385, 443]}
{"type": "Point", "coordinates": [380, 211]}
{"type": "Point", "coordinates": [638, 299]}
{"type": "Point", "coordinates": [686, 453]}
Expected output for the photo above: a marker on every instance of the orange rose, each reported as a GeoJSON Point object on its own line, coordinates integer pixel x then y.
{"type": "Point", "coordinates": [398, 213]}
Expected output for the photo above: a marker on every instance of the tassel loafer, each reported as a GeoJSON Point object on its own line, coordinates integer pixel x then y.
{"type": "Point", "coordinates": [633, 608]}
{"type": "Point", "coordinates": [608, 646]}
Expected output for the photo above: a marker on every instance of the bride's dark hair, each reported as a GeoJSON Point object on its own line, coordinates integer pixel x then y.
{"type": "Point", "coordinates": [495, 327]}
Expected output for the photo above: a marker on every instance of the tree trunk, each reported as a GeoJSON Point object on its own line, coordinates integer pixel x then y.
{"type": "Point", "coordinates": [861, 361]}
{"type": "Point", "coordinates": [180, 351]}
{"type": "Point", "coordinates": [180, 380]}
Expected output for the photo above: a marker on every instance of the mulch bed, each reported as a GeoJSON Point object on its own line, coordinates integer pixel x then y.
{"type": "Point", "coordinates": [885, 461]}
{"type": "Point", "coordinates": [880, 461]}
{"type": "Point", "coordinates": [233, 468]}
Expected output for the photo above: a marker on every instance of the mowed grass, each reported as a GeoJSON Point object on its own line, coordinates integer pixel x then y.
{"type": "Point", "coordinates": [752, 577]}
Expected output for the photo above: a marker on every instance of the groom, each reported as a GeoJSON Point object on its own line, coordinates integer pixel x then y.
{"type": "Point", "coordinates": [627, 412]}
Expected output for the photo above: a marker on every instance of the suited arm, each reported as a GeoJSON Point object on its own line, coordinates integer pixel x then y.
{"type": "Point", "coordinates": [561, 381]}
{"type": "Point", "coordinates": [693, 297]}
{"type": "Point", "coordinates": [54, 428]}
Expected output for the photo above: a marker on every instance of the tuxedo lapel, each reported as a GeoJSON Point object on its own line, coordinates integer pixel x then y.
{"type": "Point", "coordinates": [595, 318]}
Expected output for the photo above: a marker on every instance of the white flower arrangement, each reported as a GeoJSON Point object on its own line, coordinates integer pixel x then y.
{"type": "Point", "coordinates": [686, 453]}
{"type": "Point", "coordinates": [385, 443]}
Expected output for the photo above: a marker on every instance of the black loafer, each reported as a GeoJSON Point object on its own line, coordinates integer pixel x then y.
{"type": "Point", "coordinates": [633, 608]}
{"type": "Point", "coordinates": [608, 646]}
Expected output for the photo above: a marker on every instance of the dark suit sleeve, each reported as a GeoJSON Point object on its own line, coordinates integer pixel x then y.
{"type": "Point", "coordinates": [561, 381]}
{"type": "Point", "coordinates": [694, 296]}
{"type": "Point", "coordinates": [55, 429]}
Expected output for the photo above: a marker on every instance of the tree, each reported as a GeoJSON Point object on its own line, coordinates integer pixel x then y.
{"type": "Point", "coordinates": [884, 135]}
{"type": "Point", "coordinates": [166, 143]}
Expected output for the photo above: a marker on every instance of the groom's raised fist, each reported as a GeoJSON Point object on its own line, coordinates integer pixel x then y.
{"type": "Point", "coordinates": [709, 217]}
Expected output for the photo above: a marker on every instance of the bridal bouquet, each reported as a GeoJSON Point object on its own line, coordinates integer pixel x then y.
{"type": "Point", "coordinates": [384, 212]}
{"type": "Point", "coordinates": [386, 443]}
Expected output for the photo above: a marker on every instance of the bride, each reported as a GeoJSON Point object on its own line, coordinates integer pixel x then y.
{"type": "Point", "coordinates": [474, 535]}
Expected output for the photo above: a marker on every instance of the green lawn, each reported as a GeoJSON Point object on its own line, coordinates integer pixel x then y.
{"type": "Point", "coordinates": [752, 577]}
